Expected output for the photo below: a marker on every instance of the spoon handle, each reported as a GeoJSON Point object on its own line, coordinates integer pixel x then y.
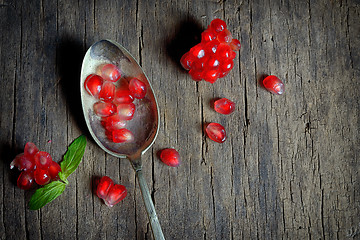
{"type": "Point", "coordinates": [149, 205]}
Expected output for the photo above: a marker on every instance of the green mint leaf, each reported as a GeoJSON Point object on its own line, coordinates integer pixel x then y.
{"type": "Point", "coordinates": [63, 178]}
{"type": "Point", "coordinates": [46, 194]}
{"type": "Point", "coordinates": [72, 157]}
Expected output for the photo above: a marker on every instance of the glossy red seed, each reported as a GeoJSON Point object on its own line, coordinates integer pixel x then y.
{"type": "Point", "coordinates": [42, 160]}
{"type": "Point", "coordinates": [235, 45]}
{"type": "Point", "coordinates": [126, 111]}
{"type": "Point", "coordinates": [30, 149]}
{"type": "Point", "coordinates": [224, 51]}
{"type": "Point", "coordinates": [103, 187]}
{"type": "Point", "coordinates": [216, 132]}
{"type": "Point", "coordinates": [198, 50]}
{"type": "Point", "coordinates": [187, 60]}
{"type": "Point", "coordinates": [225, 36]}
{"type": "Point", "coordinates": [274, 85]}
{"type": "Point", "coordinates": [208, 35]}
{"type": "Point", "coordinates": [110, 72]}
{"type": "Point", "coordinates": [170, 157]}
{"type": "Point", "coordinates": [113, 122]}
{"type": "Point", "coordinates": [226, 65]}
{"type": "Point", "coordinates": [212, 63]}
{"type": "Point", "coordinates": [107, 92]}
{"type": "Point", "coordinates": [93, 84]}
{"type": "Point", "coordinates": [116, 193]}
{"type": "Point", "coordinates": [218, 25]}
{"type": "Point", "coordinates": [137, 88]}
{"type": "Point", "coordinates": [41, 176]}
{"type": "Point", "coordinates": [195, 75]}
{"type": "Point", "coordinates": [123, 95]}
{"type": "Point", "coordinates": [211, 47]}
{"type": "Point", "coordinates": [54, 170]}
{"type": "Point", "coordinates": [23, 162]}
{"type": "Point", "coordinates": [26, 180]}
{"type": "Point", "coordinates": [104, 109]}
{"type": "Point", "coordinates": [122, 136]}
{"type": "Point", "coordinates": [211, 75]}
{"type": "Point", "coordinates": [224, 106]}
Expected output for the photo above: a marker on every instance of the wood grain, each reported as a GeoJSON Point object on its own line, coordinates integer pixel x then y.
{"type": "Point", "coordinates": [289, 168]}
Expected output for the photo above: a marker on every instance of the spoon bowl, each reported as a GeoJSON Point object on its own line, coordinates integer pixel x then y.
{"type": "Point", "coordinates": [144, 125]}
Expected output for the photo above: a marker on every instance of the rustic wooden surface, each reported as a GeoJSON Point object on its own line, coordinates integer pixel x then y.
{"type": "Point", "coordinates": [290, 166]}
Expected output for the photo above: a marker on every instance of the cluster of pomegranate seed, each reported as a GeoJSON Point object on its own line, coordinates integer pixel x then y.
{"type": "Point", "coordinates": [213, 57]}
{"type": "Point", "coordinates": [115, 105]}
{"type": "Point", "coordinates": [111, 193]}
{"type": "Point", "coordinates": [36, 166]}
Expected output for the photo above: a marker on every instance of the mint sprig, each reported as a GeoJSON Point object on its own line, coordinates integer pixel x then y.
{"type": "Point", "coordinates": [49, 192]}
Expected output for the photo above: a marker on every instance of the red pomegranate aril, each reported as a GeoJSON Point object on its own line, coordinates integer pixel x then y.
{"type": "Point", "coordinates": [218, 25]}
{"type": "Point", "coordinates": [23, 162]}
{"type": "Point", "coordinates": [104, 186]}
{"type": "Point", "coordinates": [41, 176]}
{"type": "Point", "coordinates": [224, 106]}
{"type": "Point", "coordinates": [107, 92]}
{"type": "Point", "coordinates": [104, 109]}
{"type": "Point", "coordinates": [30, 149]}
{"type": "Point", "coordinates": [223, 51]}
{"type": "Point", "coordinates": [42, 160]}
{"type": "Point", "coordinates": [93, 84]}
{"type": "Point", "coordinates": [211, 47]}
{"type": "Point", "coordinates": [274, 85]}
{"type": "Point", "coordinates": [115, 194]}
{"type": "Point", "coordinates": [170, 157]}
{"type": "Point", "coordinates": [225, 36]}
{"type": "Point", "coordinates": [187, 60]}
{"type": "Point", "coordinates": [110, 72]}
{"type": "Point", "coordinates": [123, 95]}
{"type": "Point", "coordinates": [54, 170]}
{"type": "Point", "coordinates": [26, 180]}
{"type": "Point", "coordinates": [227, 65]}
{"type": "Point", "coordinates": [198, 50]}
{"type": "Point", "coordinates": [208, 35]}
{"type": "Point", "coordinates": [122, 136]}
{"type": "Point", "coordinates": [113, 122]}
{"type": "Point", "coordinates": [211, 75]}
{"type": "Point", "coordinates": [235, 45]}
{"type": "Point", "coordinates": [216, 132]}
{"type": "Point", "coordinates": [137, 88]}
{"type": "Point", "coordinates": [126, 111]}
{"type": "Point", "coordinates": [212, 62]}
{"type": "Point", "coordinates": [195, 75]}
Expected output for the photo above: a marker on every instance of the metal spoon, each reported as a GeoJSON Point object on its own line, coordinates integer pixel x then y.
{"type": "Point", "coordinates": [144, 125]}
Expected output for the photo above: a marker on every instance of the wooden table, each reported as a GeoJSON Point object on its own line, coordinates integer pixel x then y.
{"type": "Point", "coordinates": [289, 168]}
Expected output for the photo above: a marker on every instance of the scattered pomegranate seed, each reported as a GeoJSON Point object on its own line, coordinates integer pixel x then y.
{"type": "Point", "coordinates": [110, 72]}
{"type": "Point", "coordinates": [107, 92]}
{"type": "Point", "coordinates": [26, 180]}
{"type": "Point", "coordinates": [126, 111]}
{"type": "Point", "coordinates": [122, 135]}
{"type": "Point", "coordinates": [93, 84]}
{"type": "Point", "coordinates": [54, 170]}
{"type": "Point", "coordinates": [274, 85]}
{"type": "Point", "coordinates": [30, 149]}
{"type": "Point", "coordinates": [41, 176]}
{"type": "Point", "coordinates": [113, 122]}
{"type": "Point", "coordinates": [42, 160]}
{"type": "Point", "coordinates": [216, 132]}
{"type": "Point", "coordinates": [224, 106]}
{"type": "Point", "coordinates": [123, 95]}
{"type": "Point", "coordinates": [137, 88]}
{"type": "Point", "coordinates": [218, 25]}
{"type": "Point", "coordinates": [103, 187]}
{"type": "Point", "coordinates": [170, 157]}
{"type": "Point", "coordinates": [115, 194]}
{"type": "Point", "coordinates": [104, 109]}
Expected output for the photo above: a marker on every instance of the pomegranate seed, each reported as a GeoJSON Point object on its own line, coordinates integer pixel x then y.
{"type": "Point", "coordinates": [235, 45]}
{"type": "Point", "coordinates": [216, 132]}
{"type": "Point", "coordinates": [211, 47]}
{"type": "Point", "coordinates": [107, 92]}
{"type": "Point", "coordinates": [123, 95]}
{"type": "Point", "coordinates": [274, 85]}
{"type": "Point", "coordinates": [103, 187]}
{"type": "Point", "coordinates": [110, 72]}
{"type": "Point", "coordinates": [41, 176]}
{"type": "Point", "coordinates": [115, 194]}
{"type": "Point", "coordinates": [104, 109]}
{"type": "Point", "coordinates": [42, 160]}
{"type": "Point", "coordinates": [113, 122]}
{"type": "Point", "coordinates": [208, 36]}
{"type": "Point", "coordinates": [170, 157]}
{"type": "Point", "coordinates": [122, 136]}
{"type": "Point", "coordinates": [198, 50]}
{"type": "Point", "coordinates": [212, 63]}
{"type": "Point", "coordinates": [227, 65]}
{"type": "Point", "coordinates": [126, 111]}
{"type": "Point", "coordinates": [224, 106]}
{"type": "Point", "coordinates": [93, 84]}
{"type": "Point", "coordinates": [137, 88]}
{"type": "Point", "coordinates": [211, 76]}
{"type": "Point", "coordinates": [224, 51]}
{"type": "Point", "coordinates": [23, 162]}
{"type": "Point", "coordinates": [225, 36]}
{"type": "Point", "coordinates": [26, 180]}
{"type": "Point", "coordinates": [195, 75]}
{"type": "Point", "coordinates": [218, 25]}
{"type": "Point", "coordinates": [187, 61]}
{"type": "Point", "coordinates": [30, 149]}
{"type": "Point", "coordinates": [54, 170]}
